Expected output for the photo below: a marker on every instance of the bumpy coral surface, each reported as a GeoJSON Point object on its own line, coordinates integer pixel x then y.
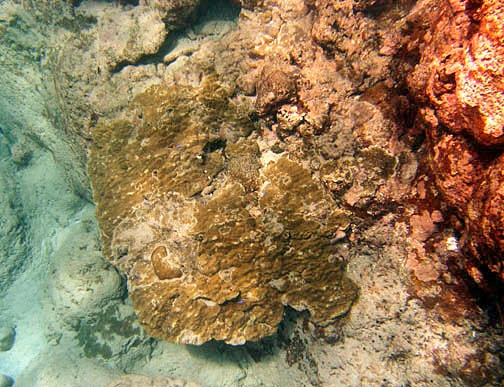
{"type": "Point", "coordinates": [218, 223]}
{"type": "Point", "coordinates": [199, 210]}
{"type": "Point", "coordinates": [459, 85]}
{"type": "Point", "coordinates": [215, 240]}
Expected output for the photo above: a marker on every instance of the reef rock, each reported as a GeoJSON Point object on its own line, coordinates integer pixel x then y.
{"type": "Point", "coordinates": [351, 38]}
{"type": "Point", "coordinates": [146, 381]}
{"type": "Point", "coordinates": [7, 336]}
{"type": "Point", "coordinates": [174, 12]}
{"type": "Point", "coordinates": [215, 239]}
{"type": "Point", "coordinates": [458, 83]}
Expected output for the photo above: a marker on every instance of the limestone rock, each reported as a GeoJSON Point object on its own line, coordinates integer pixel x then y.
{"type": "Point", "coordinates": [7, 336]}
{"type": "Point", "coordinates": [214, 240]}
{"type": "Point", "coordinates": [304, 92]}
{"type": "Point", "coordinates": [120, 37]}
{"type": "Point", "coordinates": [12, 249]}
{"type": "Point", "coordinates": [458, 84]}
{"type": "Point", "coordinates": [357, 45]}
{"type": "Point", "coordinates": [174, 12]}
{"type": "Point", "coordinates": [85, 280]}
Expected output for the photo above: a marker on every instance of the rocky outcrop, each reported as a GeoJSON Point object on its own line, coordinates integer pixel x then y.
{"type": "Point", "coordinates": [223, 208]}
{"type": "Point", "coordinates": [458, 84]}
{"type": "Point", "coordinates": [239, 169]}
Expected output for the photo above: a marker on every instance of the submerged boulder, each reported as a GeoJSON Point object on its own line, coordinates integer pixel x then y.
{"type": "Point", "coordinates": [7, 337]}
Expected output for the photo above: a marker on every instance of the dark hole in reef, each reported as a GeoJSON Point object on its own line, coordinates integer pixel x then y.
{"type": "Point", "coordinates": [212, 146]}
{"type": "Point", "coordinates": [491, 299]}
{"type": "Point", "coordinates": [217, 10]}
{"type": "Point", "coordinates": [129, 2]}
{"type": "Point", "coordinates": [287, 341]}
{"type": "Point", "coordinates": [375, 9]}
{"type": "Point", "coordinates": [264, 349]}
{"type": "Point", "coordinates": [418, 142]}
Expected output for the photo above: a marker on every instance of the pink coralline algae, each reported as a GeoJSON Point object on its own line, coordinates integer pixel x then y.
{"type": "Point", "coordinates": [459, 85]}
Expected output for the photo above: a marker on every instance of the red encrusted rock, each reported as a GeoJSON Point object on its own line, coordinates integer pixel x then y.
{"type": "Point", "coordinates": [457, 168]}
{"type": "Point", "coordinates": [459, 85]}
{"type": "Point", "coordinates": [485, 217]}
{"type": "Point", "coordinates": [461, 70]}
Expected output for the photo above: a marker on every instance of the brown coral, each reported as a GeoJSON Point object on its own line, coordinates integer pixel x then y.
{"type": "Point", "coordinates": [215, 241]}
{"type": "Point", "coordinates": [274, 88]}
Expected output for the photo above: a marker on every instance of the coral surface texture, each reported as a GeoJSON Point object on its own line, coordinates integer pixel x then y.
{"type": "Point", "coordinates": [251, 193]}
{"type": "Point", "coordinates": [214, 240]}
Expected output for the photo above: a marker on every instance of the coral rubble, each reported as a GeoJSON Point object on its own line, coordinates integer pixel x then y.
{"type": "Point", "coordinates": [140, 380]}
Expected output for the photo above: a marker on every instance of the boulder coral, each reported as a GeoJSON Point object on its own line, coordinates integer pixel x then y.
{"type": "Point", "coordinates": [215, 240]}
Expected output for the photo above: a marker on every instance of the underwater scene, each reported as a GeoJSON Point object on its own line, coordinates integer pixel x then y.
{"type": "Point", "coordinates": [250, 193]}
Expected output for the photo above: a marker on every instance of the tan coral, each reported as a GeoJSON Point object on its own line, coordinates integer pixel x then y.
{"type": "Point", "coordinates": [220, 266]}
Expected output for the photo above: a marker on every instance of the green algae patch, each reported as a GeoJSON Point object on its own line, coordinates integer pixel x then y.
{"type": "Point", "coordinates": [97, 335]}
{"type": "Point", "coordinates": [215, 242]}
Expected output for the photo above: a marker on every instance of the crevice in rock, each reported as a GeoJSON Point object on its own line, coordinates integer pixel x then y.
{"type": "Point", "coordinates": [212, 10]}
{"type": "Point", "coordinates": [208, 11]}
